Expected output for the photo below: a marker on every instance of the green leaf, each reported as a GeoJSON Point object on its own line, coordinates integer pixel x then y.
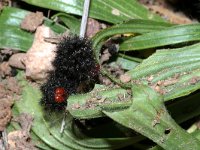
{"type": "Point", "coordinates": [12, 36]}
{"type": "Point", "coordinates": [70, 21]}
{"type": "Point", "coordinates": [173, 35]}
{"type": "Point", "coordinates": [148, 116]}
{"type": "Point", "coordinates": [124, 62]}
{"type": "Point", "coordinates": [181, 110]}
{"type": "Point", "coordinates": [88, 105]}
{"type": "Point", "coordinates": [195, 134]}
{"type": "Point", "coordinates": [57, 28]}
{"type": "Point", "coordinates": [136, 26]}
{"type": "Point", "coordinates": [131, 27]}
{"type": "Point", "coordinates": [174, 71]}
{"type": "Point", "coordinates": [106, 10]}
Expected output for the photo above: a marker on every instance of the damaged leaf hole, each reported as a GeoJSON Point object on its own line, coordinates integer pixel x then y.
{"type": "Point", "coordinates": [167, 131]}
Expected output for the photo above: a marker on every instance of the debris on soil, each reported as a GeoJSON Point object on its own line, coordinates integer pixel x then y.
{"type": "Point", "coordinates": [4, 3]}
{"type": "Point", "coordinates": [157, 117]}
{"type": "Point", "coordinates": [8, 88]}
{"type": "Point", "coordinates": [105, 56]}
{"type": "Point", "coordinates": [5, 54]}
{"type": "Point", "coordinates": [102, 100]}
{"type": "Point", "coordinates": [5, 69]}
{"type": "Point", "coordinates": [91, 103]}
{"type": "Point", "coordinates": [32, 21]}
{"type": "Point", "coordinates": [194, 80]}
{"type": "Point", "coordinates": [105, 81]}
{"type": "Point", "coordinates": [25, 120]}
{"type": "Point", "coordinates": [93, 27]}
{"type": "Point", "coordinates": [110, 48]}
{"type": "Point", "coordinates": [76, 106]}
{"type": "Point", "coordinates": [8, 91]}
{"type": "Point", "coordinates": [125, 78]}
{"type": "Point", "coordinates": [13, 86]}
{"type": "Point", "coordinates": [5, 112]}
{"type": "Point", "coordinates": [16, 60]}
{"type": "Point", "coordinates": [150, 78]}
{"type": "Point", "coordinates": [116, 70]}
{"type": "Point", "coordinates": [96, 99]}
{"type": "Point", "coordinates": [157, 88]}
{"type": "Point", "coordinates": [161, 85]}
{"type": "Point", "coordinates": [39, 57]}
{"type": "Point", "coordinates": [21, 139]}
{"type": "Point", "coordinates": [168, 82]}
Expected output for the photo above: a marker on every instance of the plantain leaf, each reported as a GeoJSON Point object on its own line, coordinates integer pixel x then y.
{"type": "Point", "coordinates": [173, 72]}
{"type": "Point", "coordinates": [126, 63]}
{"type": "Point", "coordinates": [195, 134]}
{"type": "Point", "coordinates": [182, 109]}
{"type": "Point", "coordinates": [148, 116]}
{"type": "Point", "coordinates": [106, 10]}
{"type": "Point", "coordinates": [10, 20]}
{"type": "Point", "coordinates": [11, 36]}
{"type": "Point", "coordinates": [173, 35]}
{"type": "Point", "coordinates": [70, 21]}
{"type": "Point", "coordinates": [90, 105]}
{"type": "Point", "coordinates": [137, 26]}
{"type": "Point", "coordinates": [130, 27]}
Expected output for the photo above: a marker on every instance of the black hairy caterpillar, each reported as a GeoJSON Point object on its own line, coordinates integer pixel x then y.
{"type": "Point", "coordinates": [73, 64]}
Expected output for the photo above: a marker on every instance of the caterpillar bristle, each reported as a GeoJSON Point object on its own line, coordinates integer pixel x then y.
{"type": "Point", "coordinates": [74, 57]}
{"type": "Point", "coordinates": [74, 64]}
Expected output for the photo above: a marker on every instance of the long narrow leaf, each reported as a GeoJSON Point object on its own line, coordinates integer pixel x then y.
{"type": "Point", "coordinates": [106, 10]}
{"type": "Point", "coordinates": [175, 72]}
{"type": "Point", "coordinates": [169, 36]}
{"type": "Point", "coordinates": [148, 116]}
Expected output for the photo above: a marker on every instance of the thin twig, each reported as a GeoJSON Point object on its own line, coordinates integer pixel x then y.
{"type": "Point", "coordinates": [84, 18]}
